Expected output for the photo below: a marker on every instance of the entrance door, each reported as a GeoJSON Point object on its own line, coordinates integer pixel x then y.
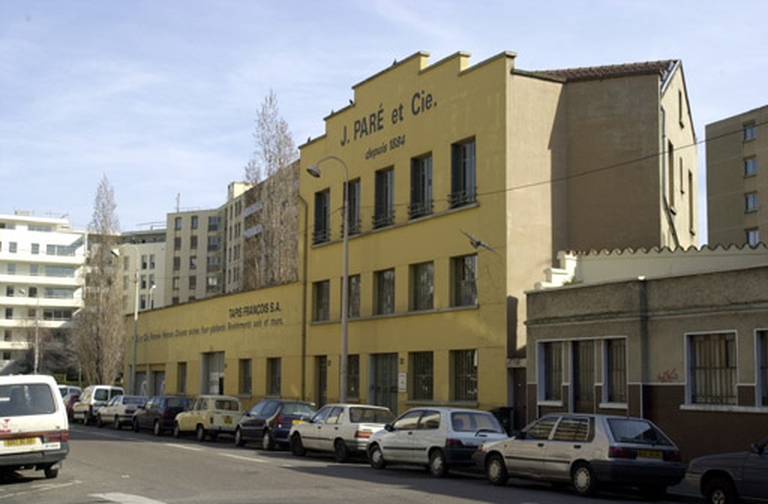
{"type": "Point", "coordinates": [212, 376]}
{"type": "Point", "coordinates": [384, 380]}
{"type": "Point", "coordinates": [584, 376]}
{"type": "Point", "coordinates": [321, 379]}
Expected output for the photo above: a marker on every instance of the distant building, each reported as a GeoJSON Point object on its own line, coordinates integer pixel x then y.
{"type": "Point", "coordinates": [737, 179]}
{"type": "Point", "coordinates": [143, 261]}
{"type": "Point", "coordinates": [41, 283]}
{"type": "Point", "coordinates": [234, 240]}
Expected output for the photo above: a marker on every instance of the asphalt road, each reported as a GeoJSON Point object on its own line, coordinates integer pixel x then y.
{"type": "Point", "coordinates": [108, 466]}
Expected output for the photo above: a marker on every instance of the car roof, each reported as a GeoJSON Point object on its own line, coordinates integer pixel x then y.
{"type": "Point", "coordinates": [17, 379]}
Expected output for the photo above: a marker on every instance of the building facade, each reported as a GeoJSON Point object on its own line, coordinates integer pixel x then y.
{"type": "Point", "coordinates": [737, 148]}
{"type": "Point", "coordinates": [41, 283]}
{"type": "Point", "coordinates": [142, 269]}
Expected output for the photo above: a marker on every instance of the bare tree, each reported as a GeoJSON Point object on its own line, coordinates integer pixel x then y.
{"type": "Point", "coordinates": [275, 148]}
{"type": "Point", "coordinates": [101, 335]}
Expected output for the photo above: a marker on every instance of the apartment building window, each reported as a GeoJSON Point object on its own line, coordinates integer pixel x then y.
{"type": "Point", "coordinates": [384, 204]}
{"type": "Point", "coordinates": [274, 376]}
{"type": "Point", "coordinates": [384, 292]}
{"type": "Point", "coordinates": [551, 371]}
{"type": "Point", "coordinates": [11, 268]}
{"type": "Point", "coordinates": [353, 376]}
{"type": "Point", "coordinates": [615, 371]}
{"type": "Point", "coordinates": [175, 283]}
{"type": "Point", "coordinates": [213, 223]}
{"type": "Point", "coordinates": [245, 376]}
{"type": "Point", "coordinates": [753, 237]}
{"type": "Point", "coordinates": [177, 223]}
{"type": "Point", "coordinates": [750, 166]}
{"type": "Point", "coordinates": [177, 243]}
{"type": "Point", "coordinates": [8, 335]}
{"type": "Point", "coordinates": [463, 174]}
{"type": "Point", "coordinates": [750, 132]}
{"type": "Point", "coordinates": [750, 202]}
{"type": "Point", "coordinates": [192, 282]}
{"type": "Point", "coordinates": [671, 174]}
{"type": "Point", "coordinates": [35, 249]}
{"type": "Point", "coordinates": [194, 221]}
{"type": "Point", "coordinates": [322, 232]}
{"type": "Point", "coordinates": [143, 282]}
{"type": "Point", "coordinates": [212, 263]}
{"type": "Point", "coordinates": [421, 365]}
{"type": "Point", "coordinates": [193, 242]}
{"type": "Point", "coordinates": [421, 187]}
{"type": "Point", "coordinates": [464, 280]}
{"type": "Point", "coordinates": [9, 313]}
{"type": "Point", "coordinates": [762, 356]}
{"type": "Point", "coordinates": [9, 291]}
{"type": "Point", "coordinates": [192, 262]}
{"type": "Point", "coordinates": [33, 270]}
{"type": "Point", "coordinates": [712, 368]}
{"type": "Point", "coordinates": [211, 283]}
{"type": "Point", "coordinates": [353, 212]}
{"type": "Point", "coordinates": [464, 375]}
{"type": "Point", "coordinates": [213, 243]}
{"type": "Point", "coordinates": [13, 247]}
{"type": "Point", "coordinates": [321, 292]}
{"type": "Point", "coordinates": [176, 263]}
{"type": "Point", "coordinates": [422, 286]}
{"type": "Point", "coordinates": [175, 300]}
{"type": "Point", "coordinates": [151, 261]}
{"type": "Point", "coordinates": [142, 302]}
{"type": "Point", "coordinates": [353, 296]}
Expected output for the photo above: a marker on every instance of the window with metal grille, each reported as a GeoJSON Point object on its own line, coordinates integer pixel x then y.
{"type": "Point", "coordinates": [384, 301]}
{"type": "Point", "coordinates": [762, 354]}
{"type": "Point", "coordinates": [464, 367]}
{"type": "Point", "coordinates": [616, 370]}
{"type": "Point", "coordinates": [274, 376]}
{"type": "Point", "coordinates": [384, 210]}
{"type": "Point", "coordinates": [353, 296]}
{"type": "Point", "coordinates": [321, 299]}
{"type": "Point", "coordinates": [353, 376]}
{"type": "Point", "coordinates": [422, 286]}
{"type": "Point", "coordinates": [421, 187]}
{"type": "Point", "coordinates": [464, 280]}
{"type": "Point", "coordinates": [713, 368]}
{"type": "Point", "coordinates": [552, 372]}
{"type": "Point", "coordinates": [353, 210]}
{"type": "Point", "coordinates": [422, 376]}
{"type": "Point", "coordinates": [463, 174]}
{"type": "Point", "coordinates": [245, 367]}
{"type": "Point", "coordinates": [322, 231]}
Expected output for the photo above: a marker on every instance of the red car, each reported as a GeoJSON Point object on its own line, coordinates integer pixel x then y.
{"type": "Point", "coordinates": [69, 400]}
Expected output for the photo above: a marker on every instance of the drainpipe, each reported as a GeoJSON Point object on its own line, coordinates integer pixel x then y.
{"type": "Point", "coordinates": [304, 302]}
{"type": "Point", "coordinates": [644, 341]}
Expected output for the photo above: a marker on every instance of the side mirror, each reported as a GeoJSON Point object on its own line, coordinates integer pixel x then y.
{"type": "Point", "coordinates": [389, 428]}
{"type": "Point", "coordinates": [757, 449]}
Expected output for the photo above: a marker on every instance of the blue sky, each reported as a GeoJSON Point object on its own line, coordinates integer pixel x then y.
{"type": "Point", "coordinates": [161, 96]}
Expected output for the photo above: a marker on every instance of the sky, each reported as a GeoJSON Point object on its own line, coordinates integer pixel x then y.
{"type": "Point", "coordinates": [161, 96]}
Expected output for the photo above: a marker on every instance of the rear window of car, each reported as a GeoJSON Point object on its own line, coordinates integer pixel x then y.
{"type": "Point", "coordinates": [26, 399]}
{"type": "Point", "coordinates": [223, 404]}
{"type": "Point", "coordinates": [297, 409]}
{"type": "Point", "coordinates": [632, 430]}
{"type": "Point", "coordinates": [473, 422]}
{"type": "Point", "coordinates": [370, 415]}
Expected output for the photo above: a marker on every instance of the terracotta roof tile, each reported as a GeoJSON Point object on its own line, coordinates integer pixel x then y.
{"type": "Point", "coordinates": [608, 71]}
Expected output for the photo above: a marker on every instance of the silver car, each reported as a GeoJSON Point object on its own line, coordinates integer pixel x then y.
{"type": "Point", "coordinates": [438, 438]}
{"type": "Point", "coordinates": [587, 451]}
{"type": "Point", "coordinates": [731, 477]}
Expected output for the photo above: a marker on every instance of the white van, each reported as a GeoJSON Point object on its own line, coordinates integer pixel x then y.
{"type": "Point", "coordinates": [87, 407]}
{"type": "Point", "coordinates": [34, 430]}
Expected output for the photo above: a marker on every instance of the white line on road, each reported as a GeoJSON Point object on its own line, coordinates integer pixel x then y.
{"type": "Point", "coordinates": [38, 488]}
{"type": "Point", "coordinates": [126, 498]}
{"type": "Point", "coordinates": [184, 447]}
{"type": "Point", "coordinates": [240, 457]}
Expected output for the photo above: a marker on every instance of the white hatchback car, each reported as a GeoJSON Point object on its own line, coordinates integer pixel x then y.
{"type": "Point", "coordinates": [341, 429]}
{"type": "Point", "coordinates": [34, 429]}
{"type": "Point", "coordinates": [438, 438]}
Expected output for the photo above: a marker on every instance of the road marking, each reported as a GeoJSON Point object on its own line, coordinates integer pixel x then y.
{"type": "Point", "coordinates": [184, 447]}
{"type": "Point", "coordinates": [126, 498]}
{"type": "Point", "coordinates": [240, 457]}
{"type": "Point", "coordinates": [38, 488]}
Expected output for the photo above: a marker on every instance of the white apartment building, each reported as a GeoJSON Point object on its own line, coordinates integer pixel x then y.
{"type": "Point", "coordinates": [41, 283]}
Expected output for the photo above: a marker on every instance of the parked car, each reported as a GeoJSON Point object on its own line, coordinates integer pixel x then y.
{"type": "Point", "coordinates": [93, 397]}
{"type": "Point", "coordinates": [588, 451]}
{"type": "Point", "coordinates": [209, 416]}
{"type": "Point", "coordinates": [69, 389]}
{"type": "Point", "coordinates": [341, 429]}
{"type": "Point", "coordinates": [35, 429]}
{"type": "Point", "coordinates": [271, 420]}
{"type": "Point", "coordinates": [69, 401]}
{"type": "Point", "coordinates": [438, 438]}
{"type": "Point", "coordinates": [732, 477]}
{"type": "Point", "coordinates": [119, 410]}
{"type": "Point", "coordinates": [159, 413]}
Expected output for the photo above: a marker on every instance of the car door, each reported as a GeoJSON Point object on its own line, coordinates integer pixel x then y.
{"type": "Point", "coordinates": [312, 430]}
{"type": "Point", "coordinates": [525, 453]}
{"type": "Point", "coordinates": [756, 474]}
{"type": "Point", "coordinates": [429, 433]}
{"type": "Point", "coordinates": [397, 444]}
{"type": "Point", "coordinates": [570, 441]}
{"type": "Point", "coordinates": [329, 429]}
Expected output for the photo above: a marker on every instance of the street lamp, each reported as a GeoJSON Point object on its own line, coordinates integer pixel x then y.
{"type": "Point", "coordinates": [150, 306]}
{"type": "Point", "coordinates": [116, 253]}
{"type": "Point", "coordinates": [314, 170]}
{"type": "Point", "coordinates": [37, 330]}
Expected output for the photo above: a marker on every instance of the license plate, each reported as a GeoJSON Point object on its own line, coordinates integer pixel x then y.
{"type": "Point", "coordinates": [297, 422]}
{"type": "Point", "coordinates": [227, 420]}
{"type": "Point", "coordinates": [652, 454]}
{"type": "Point", "coordinates": [20, 441]}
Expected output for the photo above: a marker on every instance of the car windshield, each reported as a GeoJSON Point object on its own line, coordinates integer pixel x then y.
{"type": "Point", "coordinates": [370, 415]}
{"type": "Point", "coordinates": [629, 430]}
{"type": "Point", "coordinates": [298, 409]}
{"type": "Point", "coordinates": [134, 400]}
{"type": "Point", "coordinates": [475, 421]}
{"type": "Point", "coordinates": [26, 399]}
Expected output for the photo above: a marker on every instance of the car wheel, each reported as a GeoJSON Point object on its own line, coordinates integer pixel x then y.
{"type": "Point", "coordinates": [376, 458]}
{"type": "Point", "coordinates": [135, 425]}
{"type": "Point", "coordinates": [51, 472]}
{"type": "Point", "coordinates": [267, 442]}
{"type": "Point", "coordinates": [176, 431]}
{"type": "Point", "coordinates": [239, 441]}
{"type": "Point", "coordinates": [99, 422]}
{"type": "Point", "coordinates": [157, 429]}
{"type": "Point", "coordinates": [496, 470]}
{"type": "Point", "coordinates": [200, 433]}
{"type": "Point", "coordinates": [340, 451]}
{"type": "Point", "coordinates": [719, 490]}
{"type": "Point", "coordinates": [297, 447]}
{"type": "Point", "coordinates": [583, 479]}
{"type": "Point", "coordinates": [437, 465]}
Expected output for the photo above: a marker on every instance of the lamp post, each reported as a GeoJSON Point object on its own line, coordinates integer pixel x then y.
{"type": "Point", "coordinates": [116, 253]}
{"type": "Point", "coordinates": [314, 170]}
{"type": "Point", "coordinates": [151, 289]}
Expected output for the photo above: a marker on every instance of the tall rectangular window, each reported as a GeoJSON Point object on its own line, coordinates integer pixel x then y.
{"type": "Point", "coordinates": [177, 223]}
{"type": "Point", "coordinates": [384, 292]}
{"type": "Point", "coordinates": [712, 368]}
{"type": "Point", "coordinates": [464, 379]}
{"type": "Point", "coordinates": [213, 223]}
{"type": "Point", "coordinates": [181, 377]}
{"type": "Point", "coordinates": [245, 376]}
{"type": "Point", "coordinates": [384, 205]}
{"type": "Point", "coordinates": [464, 280]}
{"type": "Point", "coordinates": [176, 263]}
{"type": "Point", "coordinates": [762, 370]}
{"type": "Point", "coordinates": [750, 202]}
{"type": "Point", "coordinates": [353, 211]}
{"type": "Point", "coordinates": [422, 286]}
{"type": "Point", "coordinates": [750, 166]}
{"type": "Point", "coordinates": [753, 237]}
{"type": "Point", "coordinates": [615, 371]}
{"type": "Point", "coordinates": [422, 376]}
{"type": "Point", "coordinates": [750, 131]}
{"type": "Point", "coordinates": [671, 174]}
{"type": "Point", "coordinates": [194, 221]}
{"type": "Point", "coordinates": [463, 176]}
{"type": "Point", "coordinates": [551, 371]}
{"type": "Point", "coordinates": [193, 242]}
{"type": "Point", "coordinates": [353, 376]}
{"type": "Point", "coordinates": [35, 249]}
{"type": "Point", "coordinates": [274, 376]}
{"type": "Point", "coordinates": [421, 187]}
{"type": "Point", "coordinates": [353, 299]}
{"type": "Point", "coordinates": [13, 247]}
{"type": "Point", "coordinates": [321, 292]}
{"type": "Point", "coordinates": [213, 243]}
{"type": "Point", "coordinates": [177, 243]}
{"type": "Point", "coordinates": [322, 232]}
{"type": "Point", "coordinates": [192, 282]}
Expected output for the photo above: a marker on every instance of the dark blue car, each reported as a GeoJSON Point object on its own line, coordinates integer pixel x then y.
{"type": "Point", "coordinates": [270, 421]}
{"type": "Point", "coordinates": [159, 413]}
